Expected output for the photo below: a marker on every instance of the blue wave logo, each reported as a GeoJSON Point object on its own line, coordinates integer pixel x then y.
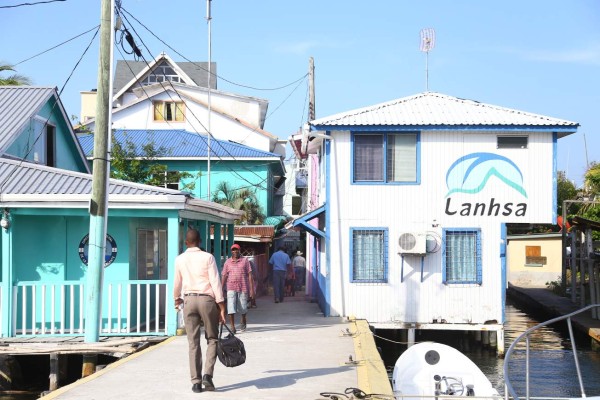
{"type": "Point", "coordinates": [470, 174]}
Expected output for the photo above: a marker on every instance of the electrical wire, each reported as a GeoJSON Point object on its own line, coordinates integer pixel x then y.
{"type": "Point", "coordinates": [43, 130]}
{"type": "Point", "coordinates": [197, 119]}
{"type": "Point", "coordinates": [58, 45]}
{"type": "Point", "coordinates": [118, 11]}
{"type": "Point", "coordinates": [32, 4]}
{"type": "Point", "coordinates": [200, 135]}
{"type": "Point", "coordinates": [201, 67]}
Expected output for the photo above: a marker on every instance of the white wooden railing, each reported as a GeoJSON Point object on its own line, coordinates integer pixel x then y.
{"type": "Point", "coordinates": [129, 308]}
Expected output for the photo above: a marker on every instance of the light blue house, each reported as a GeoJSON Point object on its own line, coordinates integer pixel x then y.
{"type": "Point", "coordinates": [238, 165]}
{"type": "Point", "coordinates": [44, 199]}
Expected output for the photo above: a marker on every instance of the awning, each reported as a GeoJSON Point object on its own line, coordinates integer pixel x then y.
{"type": "Point", "coordinates": [302, 222]}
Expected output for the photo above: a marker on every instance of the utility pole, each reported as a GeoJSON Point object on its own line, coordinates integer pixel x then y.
{"type": "Point", "coordinates": [100, 174]}
{"type": "Point", "coordinates": [208, 133]}
{"type": "Point", "coordinates": [311, 89]}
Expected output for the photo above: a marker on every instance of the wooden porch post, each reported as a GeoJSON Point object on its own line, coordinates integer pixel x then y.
{"type": "Point", "coordinates": [172, 252]}
{"type": "Point", "coordinates": [217, 245]}
{"type": "Point", "coordinates": [7, 286]}
{"type": "Point", "coordinates": [204, 230]}
{"type": "Point", "coordinates": [230, 237]}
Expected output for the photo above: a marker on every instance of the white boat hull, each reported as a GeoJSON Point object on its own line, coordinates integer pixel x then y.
{"type": "Point", "coordinates": [434, 369]}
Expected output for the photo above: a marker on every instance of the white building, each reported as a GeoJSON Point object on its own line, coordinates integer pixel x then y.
{"type": "Point", "coordinates": [414, 197]}
{"type": "Point", "coordinates": [164, 94]}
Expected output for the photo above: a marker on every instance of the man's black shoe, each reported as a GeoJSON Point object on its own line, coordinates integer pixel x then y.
{"type": "Point", "coordinates": [208, 383]}
{"type": "Point", "coordinates": [197, 388]}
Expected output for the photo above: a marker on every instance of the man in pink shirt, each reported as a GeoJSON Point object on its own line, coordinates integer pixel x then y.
{"type": "Point", "coordinates": [198, 287]}
{"type": "Point", "coordinates": [237, 280]}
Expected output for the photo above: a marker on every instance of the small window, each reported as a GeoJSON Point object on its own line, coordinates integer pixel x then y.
{"type": "Point", "coordinates": [369, 248]}
{"type": "Point", "coordinates": [296, 205]}
{"type": "Point", "coordinates": [385, 158]}
{"type": "Point", "coordinates": [533, 256]}
{"type": "Point", "coordinates": [512, 142]}
{"type": "Point", "coordinates": [462, 256]}
{"type": "Point", "coordinates": [171, 180]}
{"type": "Point", "coordinates": [43, 138]}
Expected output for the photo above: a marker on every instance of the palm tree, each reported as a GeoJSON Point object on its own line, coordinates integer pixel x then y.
{"type": "Point", "coordinates": [240, 199]}
{"type": "Point", "coordinates": [14, 79]}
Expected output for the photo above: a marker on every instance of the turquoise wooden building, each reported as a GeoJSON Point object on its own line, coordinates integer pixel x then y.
{"type": "Point", "coordinates": [44, 198]}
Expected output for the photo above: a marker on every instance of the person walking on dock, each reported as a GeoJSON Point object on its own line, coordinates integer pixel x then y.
{"type": "Point", "coordinates": [197, 279]}
{"type": "Point", "coordinates": [280, 262]}
{"type": "Point", "coordinates": [299, 264]}
{"type": "Point", "coordinates": [237, 280]}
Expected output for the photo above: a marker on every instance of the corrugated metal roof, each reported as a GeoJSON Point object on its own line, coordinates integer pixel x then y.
{"type": "Point", "coordinates": [436, 109]}
{"type": "Point", "coordinates": [26, 178]}
{"type": "Point", "coordinates": [17, 105]}
{"type": "Point", "coordinates": [179, 143]}
{"type": "Point", "coordinates": [258, 231]}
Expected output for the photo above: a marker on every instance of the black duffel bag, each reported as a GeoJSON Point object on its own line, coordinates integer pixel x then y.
{"type": "Point", "coordinates": [230, 349]}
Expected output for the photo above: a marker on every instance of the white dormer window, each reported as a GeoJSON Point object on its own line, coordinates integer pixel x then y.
{"type": "Point", "coordinates": [169, 111]}
{"type": "Point", "coordinates": [163, 73]}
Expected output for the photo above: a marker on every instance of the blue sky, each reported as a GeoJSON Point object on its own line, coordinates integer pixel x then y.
{"type": "Point", "coordinates": [536, 56]}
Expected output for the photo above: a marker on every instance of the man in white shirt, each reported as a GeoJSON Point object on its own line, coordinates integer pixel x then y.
{"type": "Point", "coordinates": [299, 264]}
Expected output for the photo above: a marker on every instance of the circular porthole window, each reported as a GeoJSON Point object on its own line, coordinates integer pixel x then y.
{"type": "Point", "coordinates": [110, 252]}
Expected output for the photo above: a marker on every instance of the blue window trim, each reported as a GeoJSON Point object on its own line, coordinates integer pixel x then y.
{"type": "Point", "coordinates": [478, 280]}
{"type": "Point", "coordinates": [385, 254]}
{"type": "Point", "coordinates": [384, 161]}
{"type": "Point", "coordinates": [554, 177]}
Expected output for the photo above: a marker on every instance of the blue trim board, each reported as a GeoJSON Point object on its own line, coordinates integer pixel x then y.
{"type": "Point", "coordinates": [404, 128]}
{"type": "Point", "coordinates": [303, 221]}
{"type": "Point", "coordinates": [503, 269]}
{"type": "Point", "coordinates": [327, 292]}
{"type": "Point", "coordinates": [554, 176]}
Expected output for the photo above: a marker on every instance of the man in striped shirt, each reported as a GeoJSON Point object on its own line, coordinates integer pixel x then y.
{"type": "Point", "coordinates": [237, 280]}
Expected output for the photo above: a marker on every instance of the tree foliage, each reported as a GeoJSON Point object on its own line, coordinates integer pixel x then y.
{"type": "Point", "coordinates": [592, 187]}
{"type": "Point", "coordinates": [130, 163]}
{"type": "Point", "coordinates": [592, 179]}
{"type": "Point", "coordinates": [240, 199]}
{"type": "Point", "coordinates": [566, 190]}
{"type": "Point", "coordinates": [14, 79]}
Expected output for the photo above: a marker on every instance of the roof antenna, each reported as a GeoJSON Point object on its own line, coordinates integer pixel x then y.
{"type": "Point", "coordinates": [427, 44]}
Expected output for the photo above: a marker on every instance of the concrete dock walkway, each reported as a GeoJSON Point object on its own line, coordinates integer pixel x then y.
{"type": "Point", "coordinates": [293, 352]}
{"type": "Point", "coordinates": [544, 301]}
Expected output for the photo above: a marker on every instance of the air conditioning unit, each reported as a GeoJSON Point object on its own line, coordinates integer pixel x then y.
{"type": "Point", "coordinates": [412, 243]}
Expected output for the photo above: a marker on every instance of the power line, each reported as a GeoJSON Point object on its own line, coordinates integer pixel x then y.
{"type": "Point", "coordinates": [299, 80]}
{"type": "Point", "coordinates": [201, 67]}
{"type": "Point", "coordinates": [31, 4]}
{"type": "Point", "coordinates": [197, 119]}
{"type": "Point", "coordinates": [200, 135]}
{"type": "Point", "coordinates": [58, 45]}
{"type": "Point", "coordinates": [49, 115]}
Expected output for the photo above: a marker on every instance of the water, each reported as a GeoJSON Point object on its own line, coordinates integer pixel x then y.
{"type": "Point", "coordinates": [551, 362]}
{"type": "Point", "coordinates": [552, 367]}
